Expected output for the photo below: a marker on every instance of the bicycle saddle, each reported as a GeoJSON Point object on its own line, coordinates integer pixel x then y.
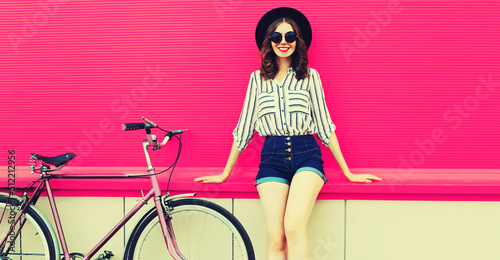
{"type": "Point", "coordinates": [55, 160]}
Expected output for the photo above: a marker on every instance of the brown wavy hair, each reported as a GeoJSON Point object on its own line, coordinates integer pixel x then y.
{"type": "Point", "coordinates": [269, 66]}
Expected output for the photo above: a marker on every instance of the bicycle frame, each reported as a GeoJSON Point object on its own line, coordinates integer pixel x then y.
{"type": "Point", "coordinates": [155, 192]}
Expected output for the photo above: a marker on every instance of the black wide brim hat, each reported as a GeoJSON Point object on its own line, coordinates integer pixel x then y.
{"type": "Point", "coordinates": [281, 12]}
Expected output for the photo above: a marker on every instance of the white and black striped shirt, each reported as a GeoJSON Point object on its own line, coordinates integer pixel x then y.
{"type": "Point", "coordinates": [295, 107]}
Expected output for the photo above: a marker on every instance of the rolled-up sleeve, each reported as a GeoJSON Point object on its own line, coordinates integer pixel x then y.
{"type": "Point", "coordinates": [320, 113]}
{"type": "Point", "coordinates": [245, 129]}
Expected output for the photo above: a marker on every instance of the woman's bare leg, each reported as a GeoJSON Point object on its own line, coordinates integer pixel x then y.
{"type": "Point", "coordinates": [304, 190]}
{"type": "Point", "coordinates": [273, 196]}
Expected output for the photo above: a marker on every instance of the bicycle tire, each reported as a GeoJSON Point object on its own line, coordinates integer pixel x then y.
{"type": "Point", "coordinates": [146, 239]}
{"type": "Point", "coordinates": [35, 240]}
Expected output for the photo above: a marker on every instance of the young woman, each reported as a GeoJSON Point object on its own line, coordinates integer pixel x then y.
{"type": "Point", "coordinates": [285, 103]}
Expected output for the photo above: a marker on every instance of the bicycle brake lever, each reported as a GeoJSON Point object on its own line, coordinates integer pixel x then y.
{"type": "Point", "coordinates": [153, 125]}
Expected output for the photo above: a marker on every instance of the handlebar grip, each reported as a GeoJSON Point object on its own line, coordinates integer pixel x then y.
{"type": "Point", "coordinates": [133, 126]}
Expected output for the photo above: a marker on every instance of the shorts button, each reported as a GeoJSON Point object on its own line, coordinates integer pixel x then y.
{"type": "Point", "coordinates": [289, 158]}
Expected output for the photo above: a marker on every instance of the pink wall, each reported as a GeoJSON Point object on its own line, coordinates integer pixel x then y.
{"type": "Point", "coordinates": [396, 75]}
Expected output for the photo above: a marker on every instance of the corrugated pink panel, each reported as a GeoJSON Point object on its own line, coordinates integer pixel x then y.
{"type": "Point", "coordinates": [410, 84]}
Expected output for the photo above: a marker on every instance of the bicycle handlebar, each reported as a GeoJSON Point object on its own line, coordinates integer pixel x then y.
{"type": "Point", "coordinates": [150, 124]}
{"type": "Point", "coordinates": [133, 126]}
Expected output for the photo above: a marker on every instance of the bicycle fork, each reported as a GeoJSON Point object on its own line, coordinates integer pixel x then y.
{"type": "Point", "coordinates": [166, 224]}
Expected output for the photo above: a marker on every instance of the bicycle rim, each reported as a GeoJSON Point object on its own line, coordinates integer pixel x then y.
{"type": "Point", "coordinates": [203, 230]}
{"type": "Point", "coordinates": [33, 242]}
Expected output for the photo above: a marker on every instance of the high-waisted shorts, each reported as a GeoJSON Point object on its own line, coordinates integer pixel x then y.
{"type": "Point", "coordinates": [284, 156]}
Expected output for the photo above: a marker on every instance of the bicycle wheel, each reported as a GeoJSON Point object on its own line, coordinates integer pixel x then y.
{"type": "Point", "coordinates": [203, 230]}
{"type": "Point", "coordinates": [34, 242]}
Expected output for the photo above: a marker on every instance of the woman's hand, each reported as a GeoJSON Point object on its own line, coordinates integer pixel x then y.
{"type": "Point", "coordinates": [212, 178]}
{"type": "Point", "coordinates": [362, 177]}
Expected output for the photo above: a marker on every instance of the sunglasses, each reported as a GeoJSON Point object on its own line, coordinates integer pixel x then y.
{"type": "Point", "coordinates": [290, 37]}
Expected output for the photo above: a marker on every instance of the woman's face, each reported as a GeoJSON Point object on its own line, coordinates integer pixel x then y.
{"type": "Point", "coordinates": [284, 49]}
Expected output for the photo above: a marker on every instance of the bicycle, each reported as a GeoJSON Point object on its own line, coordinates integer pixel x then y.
{"type": "Point", "coordinates": [186, 228]}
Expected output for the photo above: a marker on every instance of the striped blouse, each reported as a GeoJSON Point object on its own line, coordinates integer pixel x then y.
{"type": "Point", "coordinates": [294, 107]}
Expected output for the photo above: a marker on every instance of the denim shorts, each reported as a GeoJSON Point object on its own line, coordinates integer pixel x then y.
{"type": "Point", "coordinates": [284, 156]}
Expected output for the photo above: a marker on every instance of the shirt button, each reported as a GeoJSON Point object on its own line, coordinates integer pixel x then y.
{"type": "Point", "coordinates": [289, 158]}
{"type": "Point", "coordinates": [288, 138]}
{"type": "Point", "coordinates": [288, 150]}
{"type": "Point", "coordinates": [289, 143]}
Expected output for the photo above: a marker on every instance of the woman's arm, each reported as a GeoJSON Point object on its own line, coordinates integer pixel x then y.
{"type": "Point", "coordinates": [231, 161]}
{"type": "Point", "coordinates": [334, 146]}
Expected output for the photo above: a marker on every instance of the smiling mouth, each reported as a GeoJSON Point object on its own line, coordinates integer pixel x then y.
{"type": "Point", "coordinates": [283, 49]}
